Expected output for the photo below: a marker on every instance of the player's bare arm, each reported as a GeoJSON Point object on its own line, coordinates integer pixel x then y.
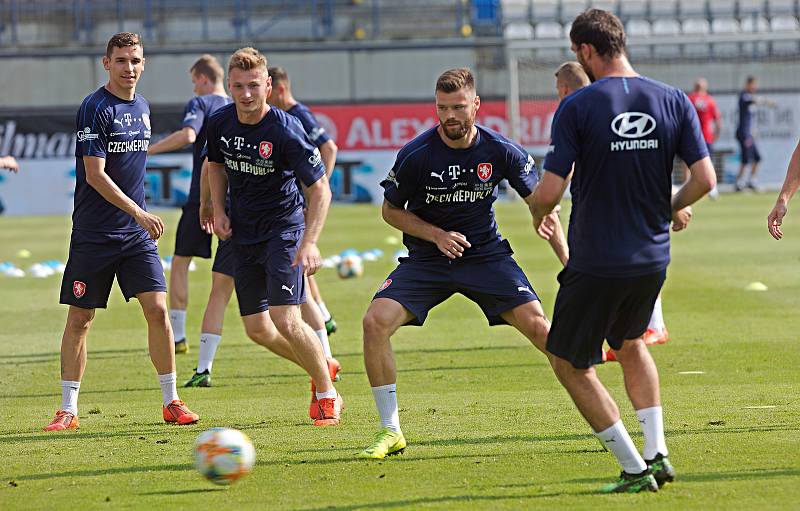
{"type": "Point", "coordinates": [218, 182]}
{"type": "Point", "coordinates": [546, 197]}
{"type": "Point", "coordinates": [790, 186]}
{"type": "Point", "coordinates": [702, 179]}
{"type": "Point", "coordinates": [10, 163]}
{"type": "Point", "coordinates": [174, 141]}
{"type": "Point", "coordinates": [328, 151]}
{"type": "Point", "coordinates": [206, 210]}
{"type": "Point", "coordinates": [319, 200]}
{"type": "Point", "coordinates": [450, 243]}
{"type": "Point", "coordinates": [98, 179]}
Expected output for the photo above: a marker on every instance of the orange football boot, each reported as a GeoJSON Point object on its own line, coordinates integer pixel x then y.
{"type": "Point", "coordinates": [330, 410]}
{"type": "Point", "coordinates": [178, 413]}
{"type": "Point", "coordinates": [63, 420]}
{"type": "Point", "coordinates": [333, 368]}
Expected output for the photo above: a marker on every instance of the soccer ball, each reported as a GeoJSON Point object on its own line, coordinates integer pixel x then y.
{"type": "Point", "coordinates": [223, 455]}
{"type": "Point", "coordinates": [350, 266]}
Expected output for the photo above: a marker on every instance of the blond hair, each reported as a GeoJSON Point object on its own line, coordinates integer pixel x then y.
{"type": "Point", "coordinates": [573, 75]}
{"type": "Point", "coordinates": [247, 59]}
{"type": "Point", "coordinates": [208, 65]}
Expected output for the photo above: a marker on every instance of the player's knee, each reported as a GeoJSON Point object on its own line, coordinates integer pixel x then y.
{"type": "Point", "coordinates": [263, 334]}
{"type": "Point", "coordinates": [155, 312]}
{"type": "Point", "coordinates": [80, 320]}
{"type": "Point", "coordinates": [375, 326]}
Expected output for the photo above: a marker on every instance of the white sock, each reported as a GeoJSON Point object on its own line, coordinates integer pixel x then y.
{"type": "Point", "coordinates": [386, 402]}
{"type": "Point", "coordinates": [618, 441]}
{"type": "Point", "coordinates": [326, 315]}
{"type": "Point", "coordinates": [177, 318]}
{"type": "Point", "coordinates": [651, 420]}
{"type": "Point", "coordinates": [657, 318]}
{"type": "Point", "coordinates": [169, 388]}
{"type": "Point", "coordinates": [69, 396]}
{"type": "Point", "coordinates": [323, 340]}
{"type": "Point", "coordinates": [208, 348]}
{"type": "Point", "coordinates": [331, 394]}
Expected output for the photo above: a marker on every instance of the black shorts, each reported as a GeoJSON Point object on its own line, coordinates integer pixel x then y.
{"type": "Point", "coordinates": [223, 259]}
{"type": "Point", "coordinates": [591, 309]}
{"type": "Point", "coordinates": [190, 239]}
{"type": "Point", "coordinates": [749, 150]}
{"type": "Point", "coordinates": [95, 258]}
{"type": "Point", "coordinates": [496, 284]}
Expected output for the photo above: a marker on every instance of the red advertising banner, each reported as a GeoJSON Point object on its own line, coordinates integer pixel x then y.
{"type": "Point", "coordinates": [389, 126]}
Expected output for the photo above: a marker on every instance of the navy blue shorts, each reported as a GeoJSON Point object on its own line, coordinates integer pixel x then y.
{"type": "Point", "coordinates": [496, 284]}
{"type": "Point", "coordinates": [96, 257]}
{"type": "Point", "coordinates": [750, 152]}
{"type": "Point", "coordinates": [265, 276]}
{"type": "Point", "coordinates": [591, 309]}
{"type": "Point", "coordinates": [223, 259]}
{"type": "Point", "coordinates": [190, 239]}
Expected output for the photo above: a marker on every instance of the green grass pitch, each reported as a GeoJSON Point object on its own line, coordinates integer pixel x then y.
{"type": "Point", "coordinates": [488, 425]}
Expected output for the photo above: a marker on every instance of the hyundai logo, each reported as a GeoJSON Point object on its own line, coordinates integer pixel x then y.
{"type": "Point", "coordinates": [633, 125]}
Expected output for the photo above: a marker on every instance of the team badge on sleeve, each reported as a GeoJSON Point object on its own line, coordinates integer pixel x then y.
{"type": "Point", "coordinates": [78, 289]}
{"type": "Point", "coordinates": [484, 171]}
{"type": "Point", "coordinates": [265, 149]}
{"type": "Point", "coordinates": [386, 283]}
{"type": "Point", "coordinates": [146, 121]}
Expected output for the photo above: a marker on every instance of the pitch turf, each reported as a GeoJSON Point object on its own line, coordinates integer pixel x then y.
{"type": "Point", "coordinates": [487, 424]}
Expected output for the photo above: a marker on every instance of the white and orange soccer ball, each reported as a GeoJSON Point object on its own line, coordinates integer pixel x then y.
{"type": "Point", "coordinates": [350, 266]}
{"type": "Point", "coordinates": [223, 455]}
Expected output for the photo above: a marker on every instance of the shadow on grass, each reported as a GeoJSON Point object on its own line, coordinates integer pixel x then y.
{"type": "Point", "coordinates": [462, 501]}
{"type": "Point", "coordinates": [56, 393]}
{"type": "Point", "coordinates": [185, 492]}
{"type": "Point", "coordinates": [39, 358]}
{"type": "Point", "coordinates": [701, 477]}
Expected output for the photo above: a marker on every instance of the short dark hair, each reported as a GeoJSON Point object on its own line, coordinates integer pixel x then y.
{"type": "Point", "coordinates": [602, 30]}
{"type": "Point", "coordinates": [456, 79]}
{"type": "Point", "coordinates": [751, 79]}
{"type": "Point", "coordinates": [278, 75]}
{"type": "Point", "coordinates": [208, 65]}
{"type": "Point", "coordinates": [122, 40]}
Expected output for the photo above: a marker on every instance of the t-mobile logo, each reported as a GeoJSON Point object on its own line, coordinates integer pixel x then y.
{"type": "Point", "coordinates": [127, 118]}
{"type": "Point", "coordinates": [238, 142]}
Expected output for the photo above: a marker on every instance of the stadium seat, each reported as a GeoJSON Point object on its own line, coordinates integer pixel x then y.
{"type": "Point", "coordinates": [667, 26]}
{"type": "Point", "coordinates": [784, 24]}
{"type": "Point", "coordinates": [516, 10]}
{"type": "Point", "coordinates": [754, 24]}
{"type": "Point", "coordinates": [725, 26]}
{"type": "Point", "coordinates": [781, 8]}
{"type": "Point", "coordinates": [633, 9]}
{"type": "Point", "coordinates": [638, 30]}
{"type": "Point", "coordinates": [519, 30]}
{"type": "Point", "coordinates": [664, 9]}
{"type": "Point", "coordinates": [570, 10]}
{"type": "Point", "coordinates": [692, 9]}
{"type": "Point", "coordinates": [549, 30]}
{"type": "Point", "coordinates": [696, 26]}
{"type": "Point", "coordinates": [721, 8]}
{"type": "Point", "coordinates": [750, 8]}
{"type": "Point", "coordinates": [606, 5]}
{"type": "Point", "coordinates": [544, 10]}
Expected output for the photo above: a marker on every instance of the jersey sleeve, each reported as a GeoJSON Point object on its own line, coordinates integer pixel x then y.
{"type": "Point", "coordinates": [692, 144]}
{"type": "Point", "coordinates": [563, 150]}
{"type": "Point", "coordinates": [301, 156]}
{"type": "Point", "coordinates": [401, 182]}
{"type": "Point", "coordinates": [93, 123]}
{"type": "Point", "coordinates": [521, 170]}
{"type": "Point", "coordinates": [315, 132]}
{"type": "Point", "coordinates": [212, 140]}
{"type": "Point", "coordinates": [194, 115]}
{"type": "Point", "coordinates": [715, 114]}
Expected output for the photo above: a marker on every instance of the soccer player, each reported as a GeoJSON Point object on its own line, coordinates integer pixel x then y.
{"type": "Point", "coordinates": [622, 134]}
{"type": "Point", "coordinates": [710, 118]}
{"type": "Point", "coordinates": [748, 102]}
{"type": "Point", "coordinates": [282, 98]}
{"type": "Point", "coordinates": [262, 153]}
{"type": "Point", "coordinates": [10, 163]}
{"type": "Point", "coordinates": [112, 233]}
{"type": "Point", "coordinates": [207, 77]}
{"type": "Point", "coordinates": [440, 194]}
{"type": "Point", "coordinates": [790, 185]}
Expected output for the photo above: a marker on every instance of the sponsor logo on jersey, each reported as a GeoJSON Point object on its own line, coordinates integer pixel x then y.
{"type": "Point", "coordinates": [529, 165]}
{"type": "Point", "coordinates": [316, 158]}
{"type": "Point", "coordinates": [265, 149]}
{"type": "Point", "coordinates": [386, 283]}
{"type": "Point", "coordinates": [633, 126]}
{"type": "Point", "coordinates": [78, 289]}
{"type": "Point", "coordinates": [86, 134]}
{"type": "Point", "coordinates": [440, 176]}
{"type": "Point", "coordinates": [484, 171]}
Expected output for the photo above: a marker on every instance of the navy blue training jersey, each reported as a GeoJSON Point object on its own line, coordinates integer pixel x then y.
{"type": "Point", "coordinates": [622, 134]}
{"type": "Point", "coordinates": [746, 106]}
{"type": "Point", "coordinates": [118, 131]}
{"type": "Point", "coordinates": [454, 189]}
{"type": "Point", "coordinates": [315, 132]}
{"type": "Point", "coordinates": [197, 110]}
{"type": "Point", "coordinates": [263, 162]}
